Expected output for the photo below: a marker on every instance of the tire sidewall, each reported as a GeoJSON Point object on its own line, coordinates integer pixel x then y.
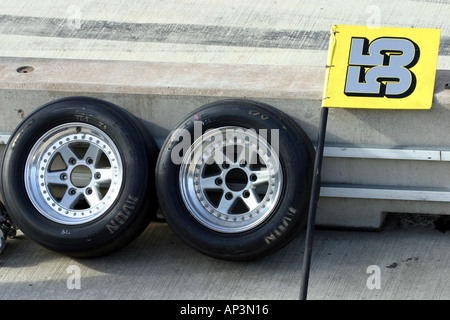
{"type": "Point", "coordinates": [287, 218]}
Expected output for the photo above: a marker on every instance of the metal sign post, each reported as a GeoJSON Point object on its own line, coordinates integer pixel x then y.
{"type": "Point", "coordinates": [371, 68]}
{"type": "Point", "coordinates": [315, 191]}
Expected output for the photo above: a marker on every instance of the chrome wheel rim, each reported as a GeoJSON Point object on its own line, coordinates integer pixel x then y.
{"type": "Point", "coordinates": [73, 173]}
{"type": "Point", "coordinates": [231, 179]}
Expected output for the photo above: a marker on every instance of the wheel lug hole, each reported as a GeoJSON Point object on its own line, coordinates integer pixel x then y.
{"type": "Point", "coordinates": [225, 165]}
{"type": "Point", "coordinates": [253, 177]}
{"type": "Point", "coordinates": [72, 192]}
{"type": "Point", "coordinates": [72, 161]}
{"type": "Point", "coordinates": [219, 181]}
{"type": "Point", "coordinates": [246, 194]}
{"type": "Point", "coordinates": [64, 176]}
{"type": "Point", "coordinates": [243, 163]}
{"type": "Point", "coordinates": [228, 196]}
{"type": "Point", "coordinates": [97, 176]}
{"type": "Point", "coordinates": [89, 161]}
{"type": "Point", "coordinates": [88, 191]}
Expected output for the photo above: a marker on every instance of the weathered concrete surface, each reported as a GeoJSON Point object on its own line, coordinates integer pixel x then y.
{"type": "Point", "coordinates": [412, 258]}
{"type": "Point", "coordinates": [256, 32]}
{"type": "Point", "coordinates": [161, 93]}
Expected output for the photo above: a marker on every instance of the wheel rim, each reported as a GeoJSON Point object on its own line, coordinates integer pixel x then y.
{"type": "Point", "coordinates": [230, 179]}
{"type": "Point", "coordinates": [73, 173]}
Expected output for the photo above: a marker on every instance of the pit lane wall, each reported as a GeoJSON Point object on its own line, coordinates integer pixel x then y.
{"type": "Point", "coordinates": [376, 161]}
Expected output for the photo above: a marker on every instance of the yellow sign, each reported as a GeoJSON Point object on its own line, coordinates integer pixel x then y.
{"type": "Point", "coordinates": [381, 68]}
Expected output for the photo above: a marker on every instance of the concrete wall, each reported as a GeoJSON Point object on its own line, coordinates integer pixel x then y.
{"type": "Point", "coordinates": [376, 161]}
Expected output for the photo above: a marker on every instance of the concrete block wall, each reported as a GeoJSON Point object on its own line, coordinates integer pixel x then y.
{"type": "Point", "coordinates": [376, 161]}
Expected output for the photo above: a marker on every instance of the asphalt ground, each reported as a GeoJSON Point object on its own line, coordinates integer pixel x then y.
{"type": "Point", "coordinates": [257, 32]}
{"type": "Point", "coordinates": [407, 260]}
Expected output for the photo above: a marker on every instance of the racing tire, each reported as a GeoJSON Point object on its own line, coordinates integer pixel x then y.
{"type": "Point", "coordinates": [234, 179]}
{"type": "Point", "coordinates": [77, 177]}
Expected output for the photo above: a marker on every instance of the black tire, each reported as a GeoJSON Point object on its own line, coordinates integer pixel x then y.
{"type": "Point", "coordinates": [220, 234]}
{"type": "Point", "coordinates": [110, 177]}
